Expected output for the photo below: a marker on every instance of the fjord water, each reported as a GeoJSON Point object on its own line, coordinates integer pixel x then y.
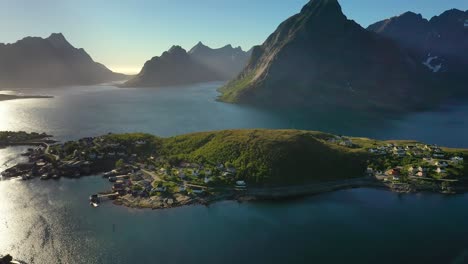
{"type": "Point", "coordinates": [51, 222]}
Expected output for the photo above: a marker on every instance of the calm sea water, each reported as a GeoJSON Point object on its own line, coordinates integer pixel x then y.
{"type": "Point", "coordinates": [51, 222]}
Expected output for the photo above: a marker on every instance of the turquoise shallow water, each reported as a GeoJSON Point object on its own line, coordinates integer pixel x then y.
{"type": "Point", "coordinates": [51, 222]}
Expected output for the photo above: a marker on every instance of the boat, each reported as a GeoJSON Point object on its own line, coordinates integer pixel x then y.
{"type": "Point", "coordinates": [45, 176]}
{"type": "Point", "coordinates": [55, 177]}
{"type": "Point", "coordinates": [94, 200]}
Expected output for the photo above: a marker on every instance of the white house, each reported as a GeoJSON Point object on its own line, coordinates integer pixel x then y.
{"type": "Point", "coordinates": [160, 188]}
{"type": "Point", "coordinates": [241, 183]}
{"type": "Point", "coordinates": [198, 191]}
{"type": "Point", "coordinates": [457, 159]}
{"type": "Point", "coordinates": [441, 163]}
{"type": "Point", "coordinates": [181, 174]}
{"type": "Point", "coordinates": [140, 142]}
{"type": "Point", "coordinates": [439, 170]}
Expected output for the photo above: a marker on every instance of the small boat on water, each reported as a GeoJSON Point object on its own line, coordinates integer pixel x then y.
{"type": "Point", "coordinates": [94, 200]}
{"type": "Point", "coordinates": [55, 177]}
{"type": "Point", "coordinates": [45, 176]}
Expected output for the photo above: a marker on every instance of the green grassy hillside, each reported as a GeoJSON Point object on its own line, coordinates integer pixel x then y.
{"type": "Point", "coordinates": [270, 156]}
{"type": "Point", "coordinates": [275, 157]}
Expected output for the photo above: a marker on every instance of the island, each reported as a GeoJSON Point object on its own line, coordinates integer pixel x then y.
{"type": "Point", "coordinates": [5, 97]}
{"type": "Point", "coordinates": [146, 171]}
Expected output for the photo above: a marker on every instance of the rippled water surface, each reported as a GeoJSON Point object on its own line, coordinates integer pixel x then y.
{"type": "Point", "coordinates": [51, 222]}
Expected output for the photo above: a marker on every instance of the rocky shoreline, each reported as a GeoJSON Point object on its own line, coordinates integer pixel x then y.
{"type": "Point", "coordinates": [8, 259]}
{"type": "Point", "coordinates": [276, 194]}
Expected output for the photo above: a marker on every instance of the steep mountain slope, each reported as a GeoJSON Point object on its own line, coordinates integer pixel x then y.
{"type": "Point", "coordinates": [53, 61]}
{"type": "Point", "coordinates": [228, 61]}
{"type": "Point", "coordinates": [173, 67]}
{"type": "Point", "coordinates": [319, 57]}
{"type": "Point", "coordinates": [440, 43]}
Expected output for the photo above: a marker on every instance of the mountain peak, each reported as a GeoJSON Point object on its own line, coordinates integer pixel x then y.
{"type": "Point", "coordinates": [200, 44]}
{"type": "Point", "coordinates": [176, 49]}
{"type": "Point", "coordinates": [410, 14]}
{"type": "Point", "coordinates": [58, 40]}
{"type": "Point", "coordinates": [199, 47]}
{"type": "Point", "coordinates": [56, 36]}
{"type": "Point", "coordinates": [318, 12]}
{"type": "Point", "coordinates": [322, 5]}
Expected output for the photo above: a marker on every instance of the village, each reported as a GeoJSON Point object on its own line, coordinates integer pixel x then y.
{"type": "Point", "coordinates": [410, 166]}
{"type": "Point", "coordinates": [137, 176]}
{"type": "Point", "coordinates": [415, 167]}
{"type": "Point", "coordinates": [141, 176]}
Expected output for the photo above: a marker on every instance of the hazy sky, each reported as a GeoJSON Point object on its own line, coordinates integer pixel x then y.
{"type": "Point", "coordinates": [123, 34]}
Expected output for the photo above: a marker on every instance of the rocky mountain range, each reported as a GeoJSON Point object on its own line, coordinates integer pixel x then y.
{"type": "Point", "coordinates": [200, 64]}
{"type": "Point", "coordinates": [51, 62]}
{"type": "Point", "coordinates": [319, 57]}
{"type": "Point", "coordinates": [174, 67]}
{"type": "Point", "coordinates": [227, 61]}
{"type": "Point", "coordinates": [440, 44]}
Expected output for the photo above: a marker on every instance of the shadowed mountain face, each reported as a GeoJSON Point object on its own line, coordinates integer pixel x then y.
{"type": "Point", "coordinates": [173, 67]}
{"type": "Point", "coordinates": [319, 57]}
{"type": "Point", "coordinates": [441, 43]}
{"type": "Point", "coordinates": [200, 64]}
{"type": "Point", "coordinates": [227, 61]}
{"type": "Point", "coordinates": [53, 61]}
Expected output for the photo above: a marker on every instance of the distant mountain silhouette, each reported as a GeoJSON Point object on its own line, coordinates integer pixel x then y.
{"type": "Point", "coordinates": [200, 64]}
{"type": "Point", "coordinates": [320, 58]}
{"type": "Point", "coordinates": [53, 61]}
{"type": "Point", "coordinates": [173, 67]}
{"type": "Point", "coordinates": [441, 43]}
{"type": "Point", "coordinates": [228, 61]}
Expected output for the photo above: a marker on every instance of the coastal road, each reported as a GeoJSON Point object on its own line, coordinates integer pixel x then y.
{"type": "Point", "coordinates": [47, 151]}
{"type": "Point", "coordinates": [152, 174]}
